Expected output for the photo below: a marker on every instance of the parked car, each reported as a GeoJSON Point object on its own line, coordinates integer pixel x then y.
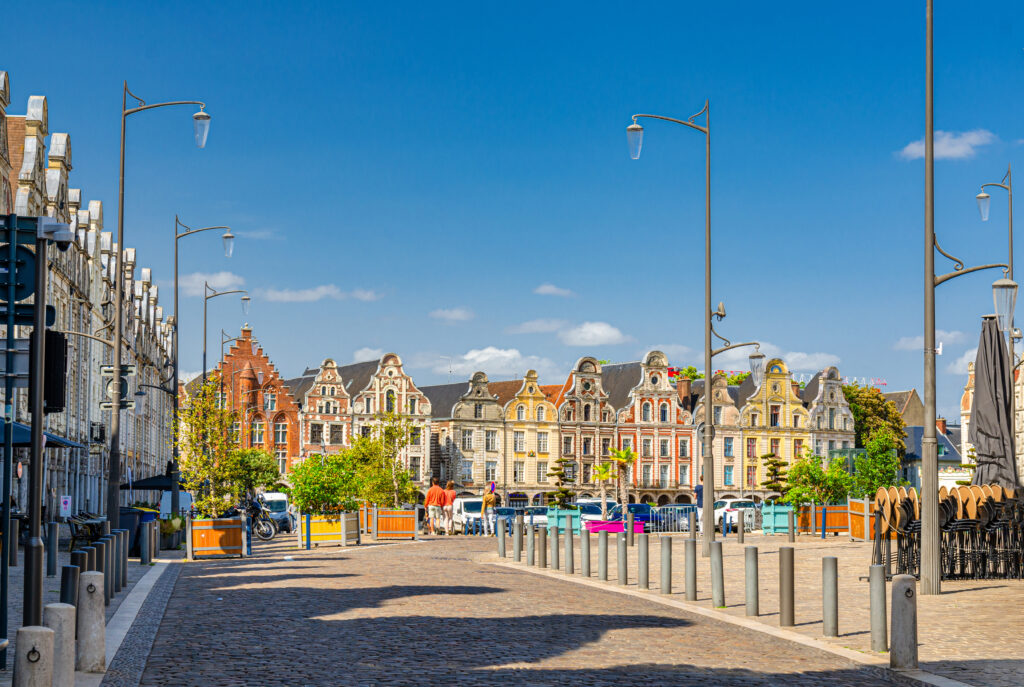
{"type": "Point", "coordinates": [465, 510]}
{"type": "Point", "coordinates": [728, 508]}
{"type": "Point", "coordinates": [642, 512]}
{"type": "Point", "coordinates": [592, 511]}
{"type": "Point", "coordinates": [538, 515]}
{"type": "Point", "coordinates": [277, 504]}
{"type": "Point", "coordinates": [596, 500]}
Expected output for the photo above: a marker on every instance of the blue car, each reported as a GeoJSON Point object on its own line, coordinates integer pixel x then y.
{"type": "Point", "coordinates": [642, 512]}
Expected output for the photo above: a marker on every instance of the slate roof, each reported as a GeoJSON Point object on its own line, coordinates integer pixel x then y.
{"type": "Point", "coordinates": [505, 391]}
{"type": "Point", "coordinates": [299, 386]}
{"type": "Point", "coordinates": [954, 432]}
{"type": "Point", "coordinates": [900, 398]}
{"type": "Point", "coordinates": [811, 389]}
{"type": "Point", "coordinates": [743, 391]}
{"type": "Point", "coordinates": [618, 380]}
{"type": "Point", "coordinates": [913, 441]}
{"type": "Point", "coordinates": [356, 377]}
{"type": "Point", "coordinates": [443, 397]}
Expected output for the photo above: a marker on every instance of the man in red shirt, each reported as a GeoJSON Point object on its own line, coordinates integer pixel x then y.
{"type": "Point", "coordinates": [435, 505]}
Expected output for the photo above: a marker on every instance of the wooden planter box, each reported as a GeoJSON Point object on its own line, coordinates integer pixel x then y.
{"type": "Point", "coordinates": [340, 529]}
{"type": "Point", "coordinates": [215, 537]}
{"type": "Point", "coordinates": [387, 523]}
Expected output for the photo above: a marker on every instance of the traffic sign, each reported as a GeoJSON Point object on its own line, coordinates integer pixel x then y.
{"type": "Point", "coordinates": [108, 370]}
{"type": "Point", "coordinates": [24, 314]}
{"type": "Point", "coordinates": [125, 405]}
{"type": "Point", "coordinates": [112, 387]}
{"type": "Point", "coordinates": [21, 361]}
{"type": "Point", "coordinates": [24, 274]}
{"type": "Point", "coordinates": [65, 506]}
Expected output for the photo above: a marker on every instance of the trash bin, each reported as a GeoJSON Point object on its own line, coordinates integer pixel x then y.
{"type": "Point", "coordinates": [129, 520]}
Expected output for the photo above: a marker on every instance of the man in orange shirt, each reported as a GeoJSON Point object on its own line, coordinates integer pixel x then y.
{"type": "Point", "coordinates": [435, 505]}
{"type": "Point", "coordinates": [449, 507]}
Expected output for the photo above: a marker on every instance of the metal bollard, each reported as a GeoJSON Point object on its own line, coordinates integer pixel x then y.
{"type": "Point", "coordinates": [500, 522]}
{"type": "Point", "coordinates": [90, 558]}
{"type": "Point", "coordinates": [116, 568]}
{"type": "Point", "coordinates": [887, 549]}
{"type": "Point", "coordinates": [876, 579]}
{"type": "Point", "coordinates": [903, 650]}
{"type": "Point", "coordinates": [542, 547]}
{"type": "Point", "coordinates": [830, 595]}
{"type": "Point", "coordinates": [584, 552]}
{"type": "Point", "coordinates": [570, 566]}
{"type": "Point", "coordinates": [92, 630]}
{"type": "Point", "coordinates": [791, 518]}
{"type": "Point", "coordinates": [824, 519]}
{"type": "Point", "coordinates": [517, 540]}
{"type": "Point", "coordinates": [666, 565]}
{"type": "Point", "coordinates": [61, 619]}
{"type": "Point", "coordinates": [122, 549]}
{"type": "Point", "coordinates": [69, 584]}
{"type": "Point", "coordinates": [623, 560]}
{"type": "Point", "coordinates": [692, 516]}
{"type": "Point", "coordinates": [554, 547]}
{"type": "Point", "coordinates": [124, 558]}
{"type": "Point", "coordinates": [629, 527]}
{"type": "Point", "coordinates": [101, 565]}
{"type": "Point", "coordinates": [145, 551]}
{"type": "Point", "coordinates": [690, 567]}
{"type": "Point", "coordinates": [33, 661]}
{"type": "Point", "coordinates": [13, 541]}
{"type": "Point", "coordinates": [741, 526]}
{"type": "Point", "coordinates": [602, 555]}
{"type": "Point", "coordinates": [530, 550]}
{"type": "Point", "coordinates": [643, 563]}
{"type": "Point", "coordinates": [750, 577]}
{"type": "Point", "coordinates": [154, 540]}
{"type": "Point", "coordinates": [786, 586]}
{"type": "Point", "coordinates": [51, 549]}
{"type": "Point", "coordinates": [81, 559]}
{"type": "Point", "coordinates": [717, 576]}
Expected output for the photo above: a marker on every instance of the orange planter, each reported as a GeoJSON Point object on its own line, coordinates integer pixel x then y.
{"type": "Point", "coordinates": [215, 537]}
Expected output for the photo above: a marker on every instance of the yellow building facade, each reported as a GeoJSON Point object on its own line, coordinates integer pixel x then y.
{"type": "Point", "coordinates": [531, 440]}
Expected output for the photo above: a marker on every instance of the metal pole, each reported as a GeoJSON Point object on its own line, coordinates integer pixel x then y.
{"type": "Point", "coordinates": [717, 576]}
{"type": "Point", "coordinates": [629, 527]}
{"type": "Point", "coordinates": [786, 586]}
{"type": "Point", "coordinates": [690, 568]}
{"type": "Point", "coordinates": [570, 566]}
{"type": "Point", "coordinates": [709, 404]}
{"type": "Point", "coordinates": [69, 584]}
{"type": "Point", "coordinates": [750, 577]}
{"type": "Point", "coordinates": [517, 545]}
{"type": "Point", "coordinates": [643, 563]}
{"type": "Point", "coordinates": [554, 546]}
{"type": "Point", "coordinates": [33, 590]}
{"type": "Point", "coordinates": [791, 522]}
{"type": "Point", "coordinates": [206, 300]}
{"type": "Point", "coordinates": [542, 547]}
{"type": "Point", "coordinates": [879, 639]}
{"type": "Point", "coordinates": [51, 549]}
{"type": "Point", "coordinates": [692, 522]}
{"type": "Point", "coordinates": [666, 565]}
{"type": "Point", "coordinates": [10, 543]}
{"type": "Point", "coordinates": [830, 596]}
{"type": "Point", "coordinates": [114, 456]}
{"type": "Point", "coordinates": [622, 560]}
{"type": "Point", "coordinates": [584, 552]}
{"type": "Point", "coordinates": [930, 571]}
{"type": "Point", "coordinates": [531, 555]}
{"type": "Point", "coordinates": [145, 551]}
{"type": "Point", "coordinates": [501, 536]}
{"type": "Point", "coordinates": [602, 555]}
{"type": "Point", "coordinates": [175, 487]}
{"type": "Point", "coordinates": [741, 526]}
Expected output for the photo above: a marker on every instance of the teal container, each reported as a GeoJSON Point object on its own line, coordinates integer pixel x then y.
{"type": "Point", "coordinates": [775, 519]}
{"type": "Point", "coordinates": [556, 515]}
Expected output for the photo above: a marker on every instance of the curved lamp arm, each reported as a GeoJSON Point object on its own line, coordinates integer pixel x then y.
{"type": "Point", "coordinates": [190, 230]}
{"type": "Point", "coordinates": [685, 122]}
{"type": "Point", "coordinates": [723, 349]}
{"type": "Point", "coordinates": [224, 293]}
{"type": "Point", "coordinates": [143, 106]}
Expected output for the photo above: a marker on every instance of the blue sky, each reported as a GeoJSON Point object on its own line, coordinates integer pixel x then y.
{"type": "Point", "coordinates": [453, 180]}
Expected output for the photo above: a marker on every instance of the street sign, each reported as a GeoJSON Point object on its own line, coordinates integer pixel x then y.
{"type": "Point", "coordinates": [112, 387]}
{"type": "Point", "coordinates": [65, 506]}
{"type": "Point", "coordinates": [108, 370]}
{"type": "Point", "coordinates": [21, 361]}
{"type": "Point", "coordinates": [24, 314]}
{"type": "Point", "coordinates": [125, 405]}
{"type": "Point", "coordinates": [24, 274]}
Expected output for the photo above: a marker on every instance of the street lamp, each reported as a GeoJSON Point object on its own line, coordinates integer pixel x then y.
{"type": "Point", "coordinates": [208, 293]}
{"type": "Point", "coordinates": [1004, 295]}
{"type": "Point", "coordinates": [201, 127]}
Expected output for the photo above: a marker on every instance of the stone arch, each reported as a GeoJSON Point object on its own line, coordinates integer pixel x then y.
{"type": "Point", "coordinates": [632, 498]}
{"type": "Point", "coordinates": [646, 498]}
{"type": "Point", "coordinates": [663, 500]}
{"type": "Point", "coordinates": [683, 498]}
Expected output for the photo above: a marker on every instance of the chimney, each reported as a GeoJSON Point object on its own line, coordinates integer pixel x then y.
{"type": "Point", "coordinates": [683, 389]}
{"type": "Point", "coordinates": [940, 424]}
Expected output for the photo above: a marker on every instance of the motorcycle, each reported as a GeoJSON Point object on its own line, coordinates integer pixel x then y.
{"type": "Point", "coordinates": [263, 526]}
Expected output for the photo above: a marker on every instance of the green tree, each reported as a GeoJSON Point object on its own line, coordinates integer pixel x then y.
{"type": "Point", "coordinates": [873, 413]}
{"type": "Point", "coordinates": [388, 481]}
{"type": "Point", "coordinates": [878, 467]}
{"type": "Point", "coordinates": [775, 473]}
{"type": "Point", "coordinates": [604, 472]}
{"type": "Point", "coordinates": [623, 460]}
{"type": "Point", "coordinates": [737, 379]}
{"type": "Point", "coordinates": [812, 479]}
{"type": "Point", "coordinates": [248, 470]}
{"type": "Point", "coordinates": [562, 495]}
{"type": "Point", "coordinates": [971, 464]}
{"type": "Point", "coordinates": [205, 442]}
{"type": "Point", "coordinates": [691, 372]}
{"type": "Point", "coordinates": [327, 484]}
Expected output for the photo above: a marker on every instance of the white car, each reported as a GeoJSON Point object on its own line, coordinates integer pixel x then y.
{"type": "Point", "coordinates": [728, 508]}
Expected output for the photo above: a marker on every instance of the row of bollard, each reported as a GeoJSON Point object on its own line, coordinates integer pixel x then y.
{"type": "Point", "coordinates": [903, 653]}
{"type": "Point", "coordinates": [73, 636]}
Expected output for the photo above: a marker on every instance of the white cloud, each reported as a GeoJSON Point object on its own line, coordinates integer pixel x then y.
{"type": "Point", "coordinates": [959, 366]}
{"type": "Point", "coordinates": [316, 293]}
{"type": "Point", "coordinates": [496, 361]}
{"type": "Point", "coordinates": [552, 290]}
{"type": "Point", "coordinates": [593, 334]}
{"type": "Point", "coordinates": [950, 145]}
{"type": "Point", "coordinates": [452, 314]}
{"type": "Point", "coordinates": [796, 361]}
{"type": "Point", "coordinates": [259, 235]}
{"type": "Point", "coordinates": [810, 362]}
{"type": "Point", "coordinates": [186, 377]}
{"type": "Point", "coordinates": [916, 343]}
{"type": "Point", "coordinates": [540, 326]}
{"type": "Point", "coordinates": [366, 353]}
{"type": "Point", "coordinates": [192, 284]}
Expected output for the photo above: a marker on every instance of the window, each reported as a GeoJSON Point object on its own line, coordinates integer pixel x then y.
{"type": "Point", "coordinates": [518, 441]}
{"type": "Point", "coordinates": [412, 406]}
{"type": "Point", "coordinates": [337, 434]}
{"type": "Point", "coordinates": [832, 447]}
{"type": "Point", "coordinates": [663, 413]}
{"type": "Point", "coordinates": [728, 447]}
{"type": "Point", "coordinates": [467, 440]}
{"type": "Point", "coordinates": [568, 415]}
{"type": "Point", "coordinates": [586, 413]}
{"type": "Point", "coordinates": [520, 412]}
{"type": "Point", "coordinates": [831, 418]}
{"type": "Point", "coordinates": [491, 470]}
{"type": "Point", "coordinates": [542, 471]}
{"type": "Point", "coordinates": [365, 429]}
{"type": "Point", "coordinates": [846, 445]}
{"type": "Point", "coordinates": [586, 473]}
{"type": "Point", "coordinates": [316, 433]}
{"type": "Point", "coordinates": [519, 471]}
{"type": "Point", "coordinates": [414, 469]}
{"type": "Point", "coordinates": [663, 476]}
{"type": "Point", "coordinates": [684, 448]}
{"type": "Point", "coordinates": [773, 416]}
{"type": "Point", "coordinates": [587, 442]}
{"type": "Point", "coordinates": [605, 416]}
{"type": "Point", "coordinates": [570, 472]}
{"type": "Point", "coordinates": [751, 475]}
{"type": "Point", "coordinates": [606, 446]}
{"type": "Point", "coordinates": [491, 439]}
{"type": "Point", "coordinates": [566, 446]}
{"type": "Point", "coordinates": [466, 472]}
{"type": "Point", "coordinates": [754, 419]}
{"type": "Point", "coordinates": [222, 399]}
{"type": "Point", "coordinates": [821, 422]}
{"type": "Point", "coordinates": [414, 436]}
{"type": "Point", "coordinates": [627, 443]}
{"type": "Point", "coordinates": [478, 410]}
{"type": "Point", "coordinates": [542, 442]}
{"type": "Point", "coordinates": [282, 462]}
{"type": "Point", "coordinates": [717, 413]}
{"type": "Point", "coordinates": [646, 413]}
{"type": "Point", "coordinates": [663, 452]}
{"type": "Point", "coordinates": [369, 405]}
{"type": "Point", "coordinates": [646, 448]}
{"type": "Point", "coordinates": [684, 475]}
{"type": "Point", "coordinates": [846, 424]}
{"type": "Point", "coordinates": [236, 430]}
{"type": "Point", "coordinates": [256, 433]}
{"type": "Point", "coordinates": [280, 432]}
{"type": "Point", "coordinates": [798, 447]}
{"type": "Point", "coordinates": [269, 400]}
{"type": "Point", "coordinates": [775, 447]}
{"type": "Point", "coordinates": [323, 391]}
{"type": "Point", "coordinates": [751, 448]}
{"type": "Point", "coordinates": [796, 420]}
{"type": "Point", "coordinates": [389, 402]}
{"type": "Point", "coordinates": [540, 414]}
{"type": "Point", "coordinates": [727, 475]}
{"type": "Point", "coordinates": [646, 476]}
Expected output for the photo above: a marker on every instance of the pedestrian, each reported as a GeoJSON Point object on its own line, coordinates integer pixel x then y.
{"type": "Point", "coordinates": [699, 490]}
{"type": "Point", "coordinates": [435, 505]}
{"type": "Point", "coordinates": [487, 508]}
{"type": "Point", "coordinates": [449, 507]}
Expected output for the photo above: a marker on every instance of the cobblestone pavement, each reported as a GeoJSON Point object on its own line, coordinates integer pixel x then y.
{"type": "Point", "coordinates": [431, 613]}
{"type": "Point", "coordinates": [966, 633]}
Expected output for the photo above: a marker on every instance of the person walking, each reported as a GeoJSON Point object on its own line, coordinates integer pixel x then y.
{"type": "Point", "coordinates": [449, 507]}
{"type": "Point", "coordinates": [487, 508]}
{"type": "Point", "coordinates": [435, 505]}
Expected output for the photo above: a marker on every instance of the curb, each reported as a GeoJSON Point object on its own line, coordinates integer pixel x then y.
{"type": "Point", "coordinates": [849, 654]}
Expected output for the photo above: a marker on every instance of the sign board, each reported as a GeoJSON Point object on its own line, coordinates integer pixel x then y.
{"type": "Point", "coordinates": [108, 370]}
{"type": "Point", "coordinates": [65, 506]}
{"type": "Point", "coordinates": [24, 314]}
{"type": "Point", "coordinates": [125, 405]}
{"type": "Point", "coordinates": [21, 361]}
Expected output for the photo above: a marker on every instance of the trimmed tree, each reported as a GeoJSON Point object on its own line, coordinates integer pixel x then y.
{"type": "Point", "coordinates": [775, 473]}
{"type": "Point", "coordinates": [623, 460]}
{"type": "Point", "coordinates": [248, 470]}
{"type": "Point", "coordinates": [878, 467]}
{"type": "Point", "coordinates": [326, 484]}
{"type": "Point", "coordinates": [562, 495]}
{"type": "Point", "coordinates": [205, 442]}
{"type": "Point", "coordinates": [811, 479]}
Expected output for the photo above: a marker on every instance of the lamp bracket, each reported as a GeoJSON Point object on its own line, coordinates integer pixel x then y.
{"type": "Point", "coordinates": [724, 340]}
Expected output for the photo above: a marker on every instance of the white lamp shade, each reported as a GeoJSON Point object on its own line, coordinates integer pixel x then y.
{"type": "Point", "coordinates": [1004, 294]}
{"type": "Point", "coordinates": [635, 139]}
{"type": "Point", "coordinates": [757, 368]}
{"type": "Point", "coordinates": [245, 305]}
{"type": "Point", "coordinates": [984, 203]}
{"type": "Point", "coordinates": [229, 243]}
{"type": "Point", "coordinates": [201, 123]}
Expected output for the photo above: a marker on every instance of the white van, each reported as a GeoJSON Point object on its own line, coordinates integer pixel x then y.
{"type": "Point", "coordinates": [465, 509]}
{"type": "Point", "coordinates": [277, 504]}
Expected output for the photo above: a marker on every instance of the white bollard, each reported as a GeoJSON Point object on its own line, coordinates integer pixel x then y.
{"type": "Point", "coordinates": [33, 662]}
{"type": "Point", "coordinates": [92, 626]}
{"type": "Point", "coordinates": [61, 619]}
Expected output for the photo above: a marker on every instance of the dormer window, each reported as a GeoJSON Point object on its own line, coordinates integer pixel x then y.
{"type": "Point", "coordinates": [520, 412]}
{"type": "Point", "coordinates": [540, 414]}
{"type": "Point", "coordinates": [663, 413]}
{"type": "Point", "coordinates": [478, 410]}
{"type": "Point", "coordinates": [646, 412]}
{"type": "Point", "coordinates": [586, 413]}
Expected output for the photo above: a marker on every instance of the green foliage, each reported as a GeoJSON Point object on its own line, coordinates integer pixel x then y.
{"type": "Point", "coordinates": [250, 469]}
{"type": "Point", "coordinates": [326, 484]}
{"type": "Point", "coordinates": [171, 525]}
{"type": "Point", "coordinates": [562, 495]}
{"type": "Point", "coordinates": [971, 464]}
{"type": "Point", "coordinates": [205, 443]}
{"type": "Point", "coordinates": [811, 479]}
{"type": "Point", "coordinates": [604, 472]}
{"type": "Point", "coordinates": [737, 379]}
{"type": "Point", "coordinates": [775, 473]}
{"type": "Point", "coordinates": [878, 467]}
{"type": "Point", "coordinates": [691, 372]}
{"type": "Point", "coordinates": [872, 414]}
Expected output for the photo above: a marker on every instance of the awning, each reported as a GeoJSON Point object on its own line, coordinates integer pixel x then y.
{"type": "Point", "coordinates": [155, 483]}
{"type": "Point", "coordinates": [23, 437]}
